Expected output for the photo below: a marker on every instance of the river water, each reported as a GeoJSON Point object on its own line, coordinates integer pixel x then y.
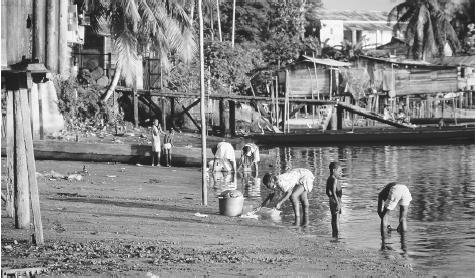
{"type": "Point", "coordinates": [441, 178]}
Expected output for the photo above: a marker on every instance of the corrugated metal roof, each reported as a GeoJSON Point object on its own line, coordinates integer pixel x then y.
{"type": "Point", "coordinates": [367, 26]}
{"type": "Point", "coordinates": [355, 15]}
{"type": "Point", "coordinates": [454, 61]}
{"type": "Point", "coordinates": [403, 61]}
{"type": "Point", "coordinates": [326, 62]}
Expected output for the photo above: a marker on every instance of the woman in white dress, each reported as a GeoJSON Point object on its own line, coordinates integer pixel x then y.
{"type": "Point", "coordinates": [156, 131]}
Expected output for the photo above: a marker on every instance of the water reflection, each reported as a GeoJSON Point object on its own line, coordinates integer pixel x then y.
{"type": "Point", "coordinates": [221, 181]}
{"type": "Point", "coordinates": [441, 179]}
{"type": "Point", "coordinates": [251, 185]}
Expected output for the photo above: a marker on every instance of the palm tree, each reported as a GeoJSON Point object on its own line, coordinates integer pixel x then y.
{"type": "Point", "coordinates": [159, 25]}
{"type": "Point", "coordinates": [426, 27]}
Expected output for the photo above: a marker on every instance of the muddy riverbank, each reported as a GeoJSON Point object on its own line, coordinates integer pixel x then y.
{"type": "Point", "coordinates": [129, 220]}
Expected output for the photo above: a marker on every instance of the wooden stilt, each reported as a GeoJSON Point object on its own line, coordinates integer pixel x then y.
{"type": "Point", "coordinates": [10, 155]}
{"type": "Point", "coordinates": [172, 112]}
{"type": "Point", "coordinates": [135, 103]}
{"type": "Point", "coordinates": [340, 117]}
{"type": "Point", "coordinates": [232, 119]}
{"type": "Point", "coordinates": [30, 158]}
{"type": "Point", "coordinates": [22, 199]}
{"type": "Point", "coordinates": [221, 108]}
{"type": "Point", "coordinates": [164, 117]}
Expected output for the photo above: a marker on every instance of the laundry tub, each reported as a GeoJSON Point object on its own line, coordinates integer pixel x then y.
{"type": "Point", "coordinates": [230, 203]}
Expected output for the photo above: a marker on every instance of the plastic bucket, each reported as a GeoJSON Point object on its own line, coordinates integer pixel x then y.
{"type": "Point", "coordinates": [230, 205]}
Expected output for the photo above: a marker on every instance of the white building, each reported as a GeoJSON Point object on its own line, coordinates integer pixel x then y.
{"type": "Point", "coordinates": [371, 26]}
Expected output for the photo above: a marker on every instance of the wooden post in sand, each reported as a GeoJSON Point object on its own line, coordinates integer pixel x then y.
{"type": "Point", "coordinates": [21, 189]}
{"type": "Point", "coordinates": [31, 167]}
{"type": "Point", "coordinates": [20, 157]}
{"type": "Point", "coordinates": [10, 154]}
{"type": "Point", "coordinates": [202, 108]}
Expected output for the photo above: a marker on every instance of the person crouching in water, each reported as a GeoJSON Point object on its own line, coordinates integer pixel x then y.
{"type": "Point", "coordinates": [393, 194]}
{"type": "Point", "coordinates": [249, 157]}
{"type": "Point", "coordinates": [224, 154]}
{"type": "Point", "coordinates": [295, 183]}
{"type": "Point", "coordinates": [334, 192]}
{"type": "Point", "coordinates": [156, 131]}
{"type": "Point", "coordinates": [168, 143]}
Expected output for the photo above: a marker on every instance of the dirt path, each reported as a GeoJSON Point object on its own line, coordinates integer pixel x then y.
{"type": "Point", "coordinates": [129, 220]}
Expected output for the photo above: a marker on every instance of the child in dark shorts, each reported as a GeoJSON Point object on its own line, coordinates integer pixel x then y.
{"type": "Point", "coordinates": [334, 192]}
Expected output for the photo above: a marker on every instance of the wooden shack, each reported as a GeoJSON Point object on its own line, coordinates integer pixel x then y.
{"type": "Point", "coordinates": [311, 78]}
{"type": "Point", "coordinates": [420, 88]}
{"type": "Point", "coordinates": [401, 77]}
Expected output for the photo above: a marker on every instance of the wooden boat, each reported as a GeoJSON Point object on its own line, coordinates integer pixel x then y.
{"type": "Point", "coordinates": [426, 135]}
{"type": "Point", "coordinates": [102, 152]}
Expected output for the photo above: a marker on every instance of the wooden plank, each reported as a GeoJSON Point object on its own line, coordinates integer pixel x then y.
{"type": "Point", "coordinates": [10, 155]}
{"type": "Point", "coordinates": [22, 199]}
{"type": "Point", "coordinates": [39, 25]}
{"type": "Point", "coordinates": [30, 159]}
{"type": "Point", "coordinates": [63, 49]}
{"type": "Point", "coordinates": [224, 96]}
{"type": "Point", "coordinates": [185, 111]}
{"type": "Point", "coordinates": [51, 35]}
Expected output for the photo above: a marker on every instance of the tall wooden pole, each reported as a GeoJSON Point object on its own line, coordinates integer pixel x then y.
{"type": "Point", "coordinates": [39, 25]}
{"type": "Point", "coordinates": [22, 199]}
{"type": "Point", "coordinates": [51, 35]}
{"type": "Point", "coordinates": [233, 25]}
{"type": "Point", "coordinates": [202, 108]}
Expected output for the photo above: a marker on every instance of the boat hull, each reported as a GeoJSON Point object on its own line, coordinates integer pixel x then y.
{"type": "Point", "coordinates": [367, 136]}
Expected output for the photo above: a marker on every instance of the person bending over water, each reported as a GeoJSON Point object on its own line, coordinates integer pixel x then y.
{"type": "Point", "coordinates": [295, 183]}
{"type": "Point", "coordinates": [392, 195]}
{"type": "Point", "coordinates": [334, 192]}
{"type": "Point", "coordinates": [249, 157]}
{"type": "Point", "coordinates": [224, 151]}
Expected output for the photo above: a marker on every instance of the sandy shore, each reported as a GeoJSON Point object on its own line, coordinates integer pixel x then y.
{"type": "Point", "coordinates": [126, 220]}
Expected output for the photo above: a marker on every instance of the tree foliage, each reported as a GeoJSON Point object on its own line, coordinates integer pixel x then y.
{"type": "Point", "coordinates": [426, 27]}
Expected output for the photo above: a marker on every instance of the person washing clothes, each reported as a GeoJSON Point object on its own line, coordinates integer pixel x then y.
{"type": "Point", "coordinates": [249, 157]}
{"type": "Point", "coordinates": [394, 194]}
{"type": "Point", "coordinates": [224, 158]}
{"type": "Point", "coordinates": [295, 184]}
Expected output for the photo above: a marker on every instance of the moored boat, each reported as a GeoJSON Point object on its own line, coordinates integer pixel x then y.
{"type": "Point", "coordinates": [427, 135]}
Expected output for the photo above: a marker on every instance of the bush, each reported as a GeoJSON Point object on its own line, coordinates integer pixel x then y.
{"type": "Point", "coordinates": [80, 105]}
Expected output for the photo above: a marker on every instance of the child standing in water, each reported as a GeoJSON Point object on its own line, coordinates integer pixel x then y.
{"type": "Point", "coordinates": [295, 183]}
{"type": "Point", "coordinates": [156, 130]}
{"type": "Point", "coordinates": [334, 192]}
{"type": "Point", "coordinates": [168, 143]}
